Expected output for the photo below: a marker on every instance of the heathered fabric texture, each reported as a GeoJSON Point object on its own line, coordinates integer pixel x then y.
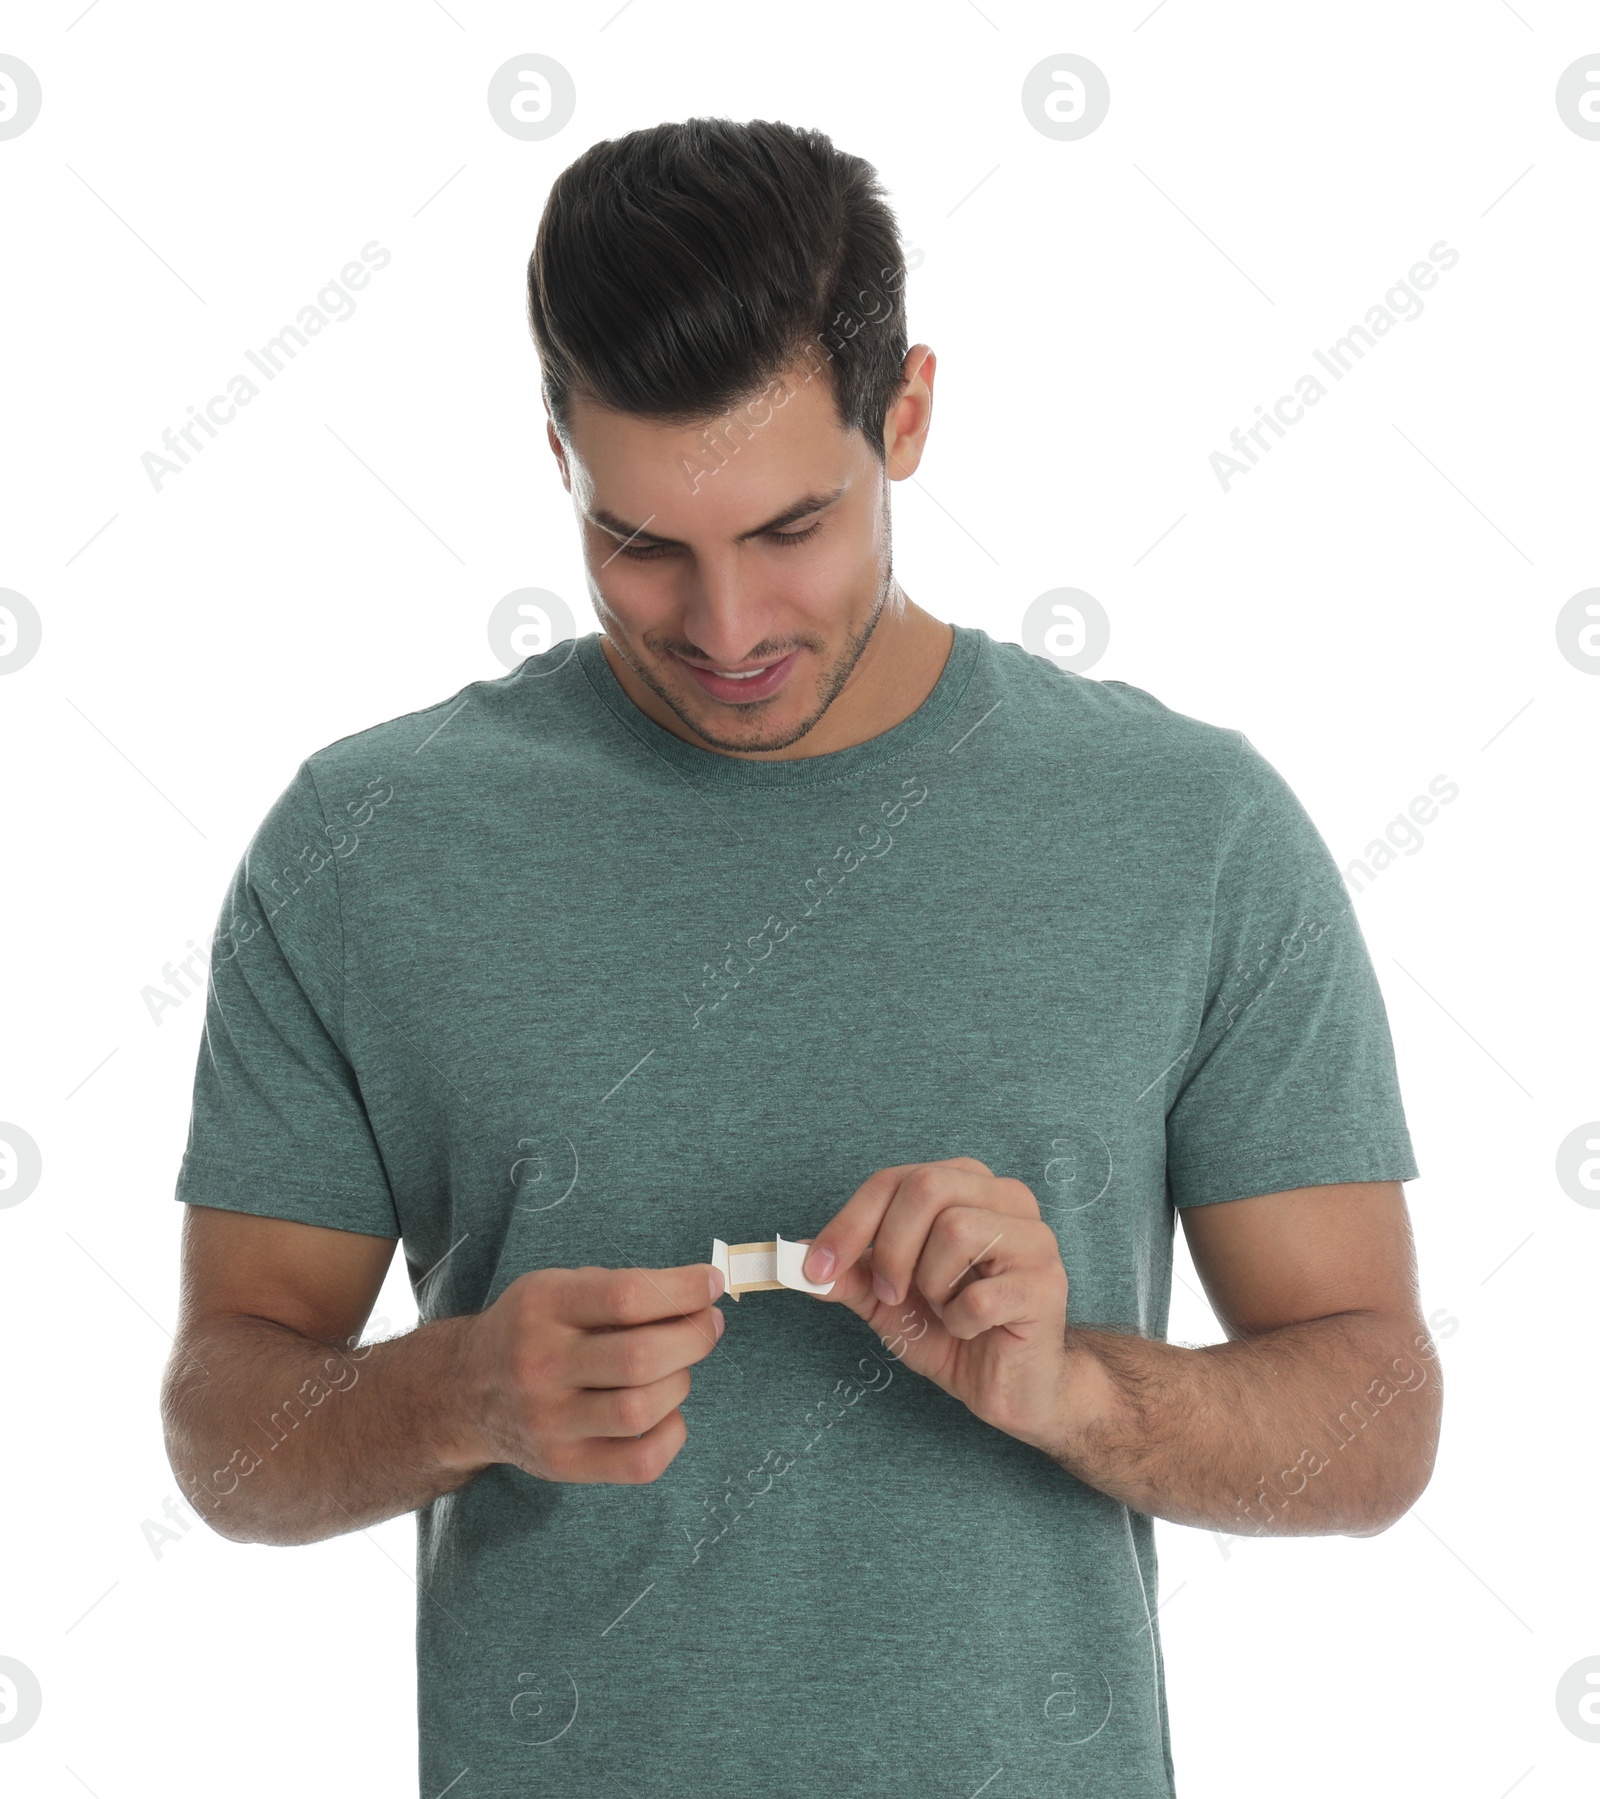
{"type": "Point", "coordinates": [528, 981]}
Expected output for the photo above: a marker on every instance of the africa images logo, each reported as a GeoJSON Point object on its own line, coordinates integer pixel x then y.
{"type": "Point", "coordinates": [1403, 303]}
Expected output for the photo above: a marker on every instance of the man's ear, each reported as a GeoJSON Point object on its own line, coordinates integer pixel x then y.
{"type": "Point", "coordinates": [558, 448]}
{"type": "Point", "coordinates": [908, 419]}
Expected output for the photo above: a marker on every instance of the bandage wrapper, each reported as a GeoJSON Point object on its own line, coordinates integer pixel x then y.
{"type": "Point", "coordinates": [763, 1267]}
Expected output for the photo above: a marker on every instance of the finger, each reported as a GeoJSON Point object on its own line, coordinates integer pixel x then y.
{"type": "Point", "coordinates": [924, 1197]}
{"type": "Point", "coordinates": [1019, 1299]}
{"type": "Point", "coordinates": [625, 1411]}
{"type": "Point", "coordinates": [968, 1243]}
{"type": "Point", "coordinates": [623, 1461]}
{"type": "Point", "coordinates": [842, 1241]}
{"type": "Point", "coordinates": [642, 1353]}
{"type": "Point", "coordinates": [924, 1194]}
{"type": "Point", "coordinates": [619, 1296]}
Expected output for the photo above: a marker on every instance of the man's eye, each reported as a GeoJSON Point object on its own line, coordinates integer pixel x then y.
{"type": "Point", "coordinates": [649, 552]}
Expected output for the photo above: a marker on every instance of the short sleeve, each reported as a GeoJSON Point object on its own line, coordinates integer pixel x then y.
{"type": "Point", "coordinates": [1290, 1081]}
{"type": "Point", "coordinates": [278, 1126]}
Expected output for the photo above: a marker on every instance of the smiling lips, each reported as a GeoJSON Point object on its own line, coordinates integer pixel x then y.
{"type": "Point", "coordinates": [742, 685]}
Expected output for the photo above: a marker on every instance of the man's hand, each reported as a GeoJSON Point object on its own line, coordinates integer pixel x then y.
{"type": "Point", "coordinates": [963, 1281]}
{"type": "Point", "coordinates": [577, 1374]}
{"type": "Point", "coordinates": [1319, 1414]}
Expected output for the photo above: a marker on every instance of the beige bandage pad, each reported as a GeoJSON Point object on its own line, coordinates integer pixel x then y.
{"type": "Point", "coordinates": [763, 1267]}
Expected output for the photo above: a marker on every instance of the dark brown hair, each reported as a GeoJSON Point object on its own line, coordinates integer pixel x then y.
{"type": "Point", "coordinates": [679, 270]}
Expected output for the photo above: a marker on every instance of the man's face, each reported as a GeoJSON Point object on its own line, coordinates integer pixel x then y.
{"type": "Point", "coordinates": [732, 549]}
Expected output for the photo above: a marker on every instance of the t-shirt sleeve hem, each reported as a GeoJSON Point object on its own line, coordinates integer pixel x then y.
{"type": "Point", "coordinates": [231, 1189]}
{"type": "Point", "coordinates": [1249, 1177]}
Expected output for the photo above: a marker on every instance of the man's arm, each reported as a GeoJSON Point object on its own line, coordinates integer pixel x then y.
{"type": "Point", "coordinates": [282, 1430]}
{"type": "Point", "coordinates": [266, 1391]}
{"type": "Point", "coordinates": [1319, 1415]}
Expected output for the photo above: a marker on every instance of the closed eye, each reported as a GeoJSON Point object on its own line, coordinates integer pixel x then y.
{"type": "Point", "coordinates": [649, 552]}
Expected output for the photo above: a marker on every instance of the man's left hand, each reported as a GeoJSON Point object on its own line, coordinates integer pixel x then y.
{"type": "Point", "coordinates": [955, 1270]}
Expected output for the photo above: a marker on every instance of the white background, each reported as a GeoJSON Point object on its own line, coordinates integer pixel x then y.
{"type": "Point", "coordinates": [1374, 606]}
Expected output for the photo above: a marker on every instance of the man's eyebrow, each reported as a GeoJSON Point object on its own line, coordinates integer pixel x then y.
{"type": "Point", "coordinates": [802, 508]}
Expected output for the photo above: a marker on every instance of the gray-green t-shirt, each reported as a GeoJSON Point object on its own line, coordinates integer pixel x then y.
{"type": "Point", "coordinates": [527, 981]}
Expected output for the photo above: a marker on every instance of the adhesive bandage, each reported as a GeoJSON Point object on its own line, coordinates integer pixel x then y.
{"type": "Point", "coordinates": [763, 1267]}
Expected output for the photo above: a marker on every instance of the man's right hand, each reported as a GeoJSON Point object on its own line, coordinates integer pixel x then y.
{"type": "Point", "coordinates": [577, 1374]}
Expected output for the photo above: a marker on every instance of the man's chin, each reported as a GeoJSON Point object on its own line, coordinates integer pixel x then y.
{"type": "Point", "coordinates": [715, 726]}
{"type": "Point", "coordinates": [758, 728]}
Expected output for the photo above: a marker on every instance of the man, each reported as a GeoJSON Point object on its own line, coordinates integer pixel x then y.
{"type": "Point", "coordinates": [780, 906]}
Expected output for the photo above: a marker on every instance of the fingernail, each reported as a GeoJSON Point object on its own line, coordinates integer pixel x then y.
{"type": "Point", "coordinates": [721, 1325]}
{"type": "Point", "coordinates": [883, 1290]}
{"type": "Point", "coordinates": [716, 1283]}
{"type": "Point", "coordinates": [819, 1264]}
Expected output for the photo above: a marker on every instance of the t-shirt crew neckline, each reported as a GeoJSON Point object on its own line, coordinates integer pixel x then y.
{"type": "Point", "coordinates": [801, 771]}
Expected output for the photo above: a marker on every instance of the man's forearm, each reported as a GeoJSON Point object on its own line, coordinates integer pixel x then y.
{"type": "Point", "coordinates": [1329, 1426]}
{"type": "Point", "coordinates": [276, 1438]}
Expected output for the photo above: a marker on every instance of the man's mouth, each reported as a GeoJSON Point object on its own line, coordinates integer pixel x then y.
{"type": "Point", "coordinates": [742, 685]}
